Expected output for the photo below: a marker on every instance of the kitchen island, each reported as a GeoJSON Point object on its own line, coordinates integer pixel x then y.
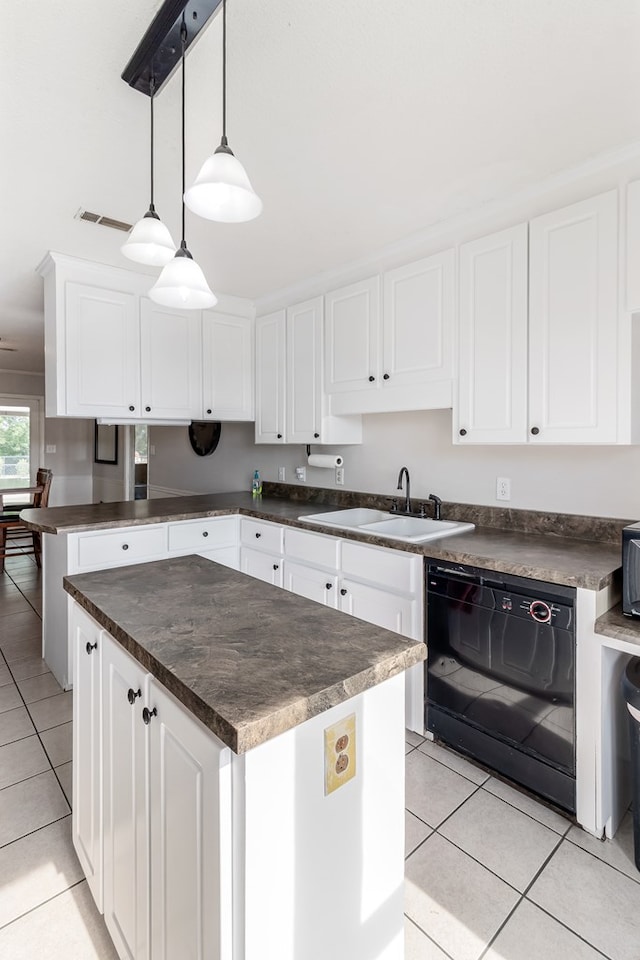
{"type": "Point", "coordinates": [238, 767]}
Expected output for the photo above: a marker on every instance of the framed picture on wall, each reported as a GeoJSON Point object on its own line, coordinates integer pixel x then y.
{"type": "Point", "coordinates": [106, 443]}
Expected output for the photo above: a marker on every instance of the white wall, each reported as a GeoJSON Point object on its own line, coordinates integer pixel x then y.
{"type": "Point", "coordinates": [73, 460]}
{"type": "Point", "coordinates": [599, 481]}
{"type": "Point", "coordinates": [110, 479]}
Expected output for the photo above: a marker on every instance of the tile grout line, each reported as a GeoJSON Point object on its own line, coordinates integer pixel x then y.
{"type": "Point", "coordinates": [600, 860]}
{"type": "Point", "coordinates": [30, 833]}
{"type": "Point", "coordinates": [76, 883]}
{"type": "Point", "coordinates": [430, 939]}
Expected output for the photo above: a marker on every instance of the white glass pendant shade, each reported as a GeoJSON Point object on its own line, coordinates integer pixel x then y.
{"type": "Point", "coordinates": [182, 284]}
{"type": "Point", "coordinates": [222, 190]}
{"type": "Point", "coordinates": [149, 241]}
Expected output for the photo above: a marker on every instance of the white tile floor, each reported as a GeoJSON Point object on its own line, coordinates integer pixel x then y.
{"type": "Point", "coordinates": [490, 873]}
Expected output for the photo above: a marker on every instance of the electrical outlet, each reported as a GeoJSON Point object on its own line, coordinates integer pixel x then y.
{"type": "Point", "coordinates": [301, 474]}
{"type": "Point", "coordinates": [503, 488]}
{"type": "Point", "coordinates": [282, 473]}
{"type": "Point", "coordinates": [152, 449]}
{"type": "Point", "coordinates": [51, 448]}
{"type": "Point", "coordinates": [340, 476]}
{"type": "Point", "coordinates": [339, 753]}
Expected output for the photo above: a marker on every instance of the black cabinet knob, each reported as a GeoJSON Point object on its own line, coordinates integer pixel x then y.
{"type": "Point", "coordinates": [343, 592]}
{"type": "Point", "coordinates": [208, 411]}
{"type": "Point", "coordinates": [258, 535]}
{"type": "Point", "coordinates": [276, 566]}
{"type": "Point", "coordinates": [90, 647]}
{"type": "Point", "coordinates": [463, 432]}
{"type": "Point", "coordinates": [328, 586]}
{"type": "Point", "coordinates": [125, 546]}
{"type": "Point", "coordinates": [279, 436]}
{"type": "Point", "coordinates": [148, 409]}
{"type": "Point", "coordinates": [316, 435]}
{"type": "Point", "coordinates": [132, 695]}
{"type": "Point", "coordinates": [148, 714]}
{"type": "Point", "coordinates": [371, 379]}
{"type": "Point", "coordinates": [535, 431]}
{"type": "Point", "coordinates": [385, 376]}
{"type": "Point", "coordinates": [132, 409]}
{"type": "Point", "coordinates": [205, 533]}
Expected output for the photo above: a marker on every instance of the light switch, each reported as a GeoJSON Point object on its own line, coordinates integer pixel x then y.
{"type": "Point", "coordinates": [51, 448]}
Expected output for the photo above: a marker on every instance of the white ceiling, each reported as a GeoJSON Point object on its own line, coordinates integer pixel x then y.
{"type": "Point", "coordinates": [360, 122]}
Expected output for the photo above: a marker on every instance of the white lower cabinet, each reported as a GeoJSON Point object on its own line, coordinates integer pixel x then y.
{"type": "Point", "coordinates": [379, 606]}
{"type": "Point", "coordinates": [162, 850]}
{"type": "Point", "coordinates": [87, 749]}
{"type": "Point", "coordinates": [311, 583]}
{"type": "Point", "coordinates": [262, 565]}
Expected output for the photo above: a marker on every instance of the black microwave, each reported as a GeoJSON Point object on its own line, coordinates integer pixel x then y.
{"type": "Point", "coordinates": [631, 570]}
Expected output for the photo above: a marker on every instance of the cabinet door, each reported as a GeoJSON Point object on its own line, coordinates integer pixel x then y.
{"type": "Point", "coordinates": [352, 335]}
{"type": "Point", "coordinates": [126, 841]}
{"type": "Point", "coordinates": [492, 342]}
{"type": "Point", "coordinates": [311, 583]}
{"type": "Point", "coordinates": [227, 367]}
{"type": "Point", "coordinates": [170, 363]}
{"type": "Point", "coordinates": [102, 352]}
{"type": "Point", "coordinates": [418, 318]}
{"type": "Point", "coordinates": [87, 749]}
{"type": "Point", "coordinates": [190, 818]}
{"type": "Point", "coordinates": [270, 374]}
{"type": "Point", "coordinates": [385, 609]}
{"type": "Point", "coordinates": [573, 321]}
{"type": "Point", "coordinates": [263, 566]}
{"type": "Point", "coordinates": [304, 372]}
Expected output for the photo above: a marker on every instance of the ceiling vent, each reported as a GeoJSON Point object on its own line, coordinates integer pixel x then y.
{"type": "Point", "coordinates": [103, 221]}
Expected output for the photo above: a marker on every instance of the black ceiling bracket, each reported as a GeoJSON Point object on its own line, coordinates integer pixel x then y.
{"type": "Point", "coordinates": [159, 51]}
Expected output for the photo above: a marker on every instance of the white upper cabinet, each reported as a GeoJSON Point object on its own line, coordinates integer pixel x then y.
{"type": "Point", "coordinates": [492, 343]}
{"type": "Point", "coordinates": [102, 353]}
{"type": "Point", "coordinates": [304, 372]}
{"type": "Point", "coordinates": [632, 247]}
{"type": "Point", "coordinates": [227, 367]}
{"type": "Point", "coordinates": [290, 401]}
{"type": "Point", "coordinates": [170, 346]}
{"type": "Point", "coordinates": [573, 323]}
{"type": "Point", "coordinates": [352, 336]}
{"type": "Point", "coordinates": [400, 357]}
{"type": "Point", "coordinates": [111, 352]}
{"type": "Point", "coordinates": [419, 303]}
{"type": "Point", "coordinates": [270, 377]}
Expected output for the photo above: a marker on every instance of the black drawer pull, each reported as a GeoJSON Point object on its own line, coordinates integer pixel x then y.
{"type": "Point", "coordinates": [148, 714]}
{"type": "Point", "coordinates": [208, 411]}
{"type": "Point", "coordinates": [328, 586]}
{"type": "Point", "coordinates": [125, 546]}
{"type": "Point", "coordinates": [386, 376]}
{"type": "Point", "coordinates": [90, 647]}
{"type": "Point", "coordinates": [463, 432]}
{"type": "Point", "coordinates": [131, 408]}
{"type": "Point", "coordinates": [279, 436]}
{"type": "Point", "coordinates": [148, 409]}
{"type": "Point", "coordinates": [276, 566]}
{"type": "Point", "coordinates": [205, 533]}
{"type": "Point", "coordinates": [371, 379]}
{"type": "Point", "coordinates": [343, 592]}
{"type": "Point", "coordinates": [316, 435]}
{"type": "Point", "coordinates": [535, 431]}
{"type": "Point", "coordinates": [258, 535]}
{"type": "Point", "coordinates": [132, 695]}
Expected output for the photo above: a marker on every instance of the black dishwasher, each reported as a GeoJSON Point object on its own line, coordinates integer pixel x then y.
{"type": "Point", "coordinates": [500, 674]}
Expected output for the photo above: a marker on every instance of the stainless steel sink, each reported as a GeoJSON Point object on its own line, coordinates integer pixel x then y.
{"type": "Point", "coordinates": [415, 529]}
{"type": "Point", "coordinates": [381, 524]}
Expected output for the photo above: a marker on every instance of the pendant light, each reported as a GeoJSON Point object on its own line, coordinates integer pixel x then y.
{"type": "Point", "coordinates": [182, 283]}
{"type": "Point", "coordinates": [222, 190]}
{"type": "Point", "coordinates": [150, 241]}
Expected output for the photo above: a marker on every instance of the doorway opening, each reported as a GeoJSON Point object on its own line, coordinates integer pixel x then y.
{"type": "Point", "coordinates": [141, 462]}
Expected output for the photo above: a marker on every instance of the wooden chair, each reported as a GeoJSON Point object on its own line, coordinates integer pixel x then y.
{"type": "Point", "coordinates": [12, 531]}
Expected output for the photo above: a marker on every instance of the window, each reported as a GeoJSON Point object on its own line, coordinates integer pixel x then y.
{"type": "Point", "coordinates": [20, 450]}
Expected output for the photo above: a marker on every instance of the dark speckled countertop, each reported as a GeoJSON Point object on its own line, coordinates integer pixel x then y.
{"type": "Point", "coordinates": [248, 659]}
{"type": "Point", "coordinates": [589, 563]}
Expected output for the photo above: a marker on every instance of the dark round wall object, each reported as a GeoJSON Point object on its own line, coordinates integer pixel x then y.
{"type": "Point", "coordinates": [204, 436]}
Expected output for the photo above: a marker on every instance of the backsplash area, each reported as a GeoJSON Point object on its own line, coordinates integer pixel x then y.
{"type": "Point", "coordinates": [574, 526]}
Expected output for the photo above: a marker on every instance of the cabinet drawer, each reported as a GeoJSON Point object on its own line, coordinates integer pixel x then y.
{"type": "Point", "coordinates": [390, 568]}
{"type": "Point", "coordinates": [205, 534]}
{"type": "Point", "coordinates": [122, 547]}
{"type": "Point", "coordinates": [312, 548]}
{"type": "Point", "coordinates": [262, 535]}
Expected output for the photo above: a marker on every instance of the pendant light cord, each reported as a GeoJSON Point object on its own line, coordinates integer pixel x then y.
{"type": "Point", "coordinates": [224, 72]}
{"type": "Point", "coordinates": [183, 35]}
{"type": "Point", "coordinates": [152, 90]}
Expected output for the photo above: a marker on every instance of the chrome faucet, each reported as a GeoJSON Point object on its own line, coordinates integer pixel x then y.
{"type": "Point", "coordinates": [407, 506]}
